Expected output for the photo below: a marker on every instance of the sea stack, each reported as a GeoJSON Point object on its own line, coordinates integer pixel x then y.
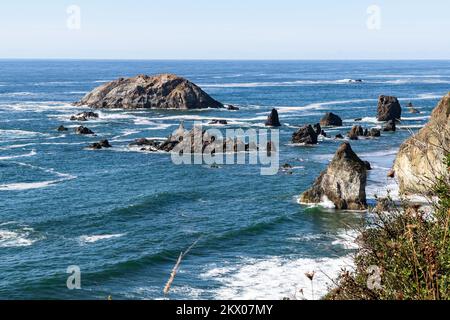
{"type": "Point", "coordinates": [389, 109]}
{"type": "Point", "coordinates": [343, 182]}
{"type": "Point", "coordinates": [165, 91]}
{"type": "Point", "coordinates": [330, 119]}
{"type": "Point", "coordinates": [273, 120]}
{"type": "Point", "coordinates": [420, 160]}
{"type": "Point", "coordinates": [305, 135]}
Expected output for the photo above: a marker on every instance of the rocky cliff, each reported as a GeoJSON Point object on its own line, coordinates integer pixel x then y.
{"type": "Point", "coordinates": [420, 158]}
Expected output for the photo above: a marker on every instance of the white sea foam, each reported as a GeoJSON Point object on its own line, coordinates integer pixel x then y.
{"type": "Point", "coordinates": [276, 278]}
{"type": "Point", "coordinates": [30, 154]}
{"type": "Point", "coordinates": [17, 238]}
{"type": "Point", "coordinates": [94, 238]}
{"type": "Point", "coordinates": [276, 83]}
{"type": "Point", "coordinates": [5, 134]}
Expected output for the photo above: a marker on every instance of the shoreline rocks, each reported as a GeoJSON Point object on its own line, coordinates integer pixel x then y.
{"type": "Point", "coordinates": [420, 160]}
{"type": "Point", "coordinates": [164, 91]}
{"type": "Point", "coordinates": [388, 108]}
{"type": "Point", "coordinates": [343, 182]}
{"type": "Point", "coordinates": [100, 145]}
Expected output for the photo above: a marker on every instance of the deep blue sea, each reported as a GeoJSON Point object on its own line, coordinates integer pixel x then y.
{"type": "Point", "coordinates": [124, 216]}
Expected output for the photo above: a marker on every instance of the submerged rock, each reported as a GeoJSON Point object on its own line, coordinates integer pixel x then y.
{"type": "Point", "coordinates": [411, 108]}
{"type": "Point", "coordinates": [165, 91]}
{"type": "Point", "coordinates": [100, 145]}
{"type": "Point", "coordinates": [83, 130]}
{"type": "Point", "coordinates": [273, 120]}
{"type": "Point", "coordinates": [388, 108]}
{"type": "Point", "coordinates": [343, 182]}
{"type": "Point", "coordinates": [62, 128]}
{"type": "Point", "coordinates": [305, 135]}
{"type": "Point", "coordinates": [420, 160]}
{"type": "Point", "coordinates": [390, 126]}
{"type": "Point", "coordinates": [84, 116]}
{"type": "Point", "coordinates": [330, 119]}
{"type": "Point", "coordinates": [215, 121]}
{"type": "Point", "coordinates": [232, 108]}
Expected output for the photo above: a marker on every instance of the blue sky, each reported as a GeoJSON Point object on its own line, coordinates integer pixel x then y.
{"type": "Point", "coordinates": [231, 29]}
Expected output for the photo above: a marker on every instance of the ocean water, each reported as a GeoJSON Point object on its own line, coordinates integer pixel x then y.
{"type": "Point", "coordinates": [124, 216]}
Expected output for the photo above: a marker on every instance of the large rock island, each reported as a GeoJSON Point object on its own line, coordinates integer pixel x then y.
{"type": "Point", "coordinates": [165, 91]}
{"type": "Point", "coordinates": [343, 182]}
{"type": "Point", "coordinates": [420, 160]}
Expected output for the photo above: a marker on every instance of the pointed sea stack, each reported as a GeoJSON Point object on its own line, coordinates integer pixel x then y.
{"type": "Point", "coordinates": [273, 120]}
{"type": "Point", "coordinates": [343, 182]}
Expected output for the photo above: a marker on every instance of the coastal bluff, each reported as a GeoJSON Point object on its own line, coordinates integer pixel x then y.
{"type": "Point", "coordinates": [164, 91]}
{"type": "Point", "coordinates": [420, 159]}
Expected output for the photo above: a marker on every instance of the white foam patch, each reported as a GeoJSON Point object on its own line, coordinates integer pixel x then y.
{"type": "Point", "coordinates": [21, 186]}
{"type": "Point", "coordinates": [320, 105]}
{"type": "Point", "coordinates": [95, 238]}
{"type": "Point", "coordinates": [275, 278]}
{"type": "Point", "coordinates": [19, 238]}
{"type": "Point", "coordinates": [30, 154]}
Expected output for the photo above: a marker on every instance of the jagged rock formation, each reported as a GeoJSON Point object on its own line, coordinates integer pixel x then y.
{"type": "Point", "coordinates": [343, 182]}
{"type": "Point", "coordinates": [331, 119]}
{"type": "Point", "coordinates": [305, 135]}
{"type": "Point", "coordinates": [84, 116]}
{"type": "Point", "coordinates": [165, 91]}
{"type": "Point", "coordinates": [420, 158]}
{"type": "Point", "coordinates": [389, 108]}
{"type": "Point", "coordinates": [273, 120]}
{"type": "Point", "coordinates": [83, 130]}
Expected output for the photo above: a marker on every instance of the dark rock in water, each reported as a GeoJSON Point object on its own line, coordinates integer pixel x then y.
{"type": "Point", "coordinates": [84, 116]}
{"type": "Point", "coordinates": [100, 145]}
{"type": "Point", "coordinates": [391, 174]}
{"type": "Point", "coordinates": [374, 132]}
{"type": "Point", "coordinates": [62, 128]}
{"type": "Point", "coordinates": [232, 108]}
{"type": "Point", "coordinates": [355, 81]}
{"type": "Point", "coordinates": [165, 91]}
{"type": "Point", "coordinates": [331, 119]}
{"type": "Point", "coordinates": [286, 166]}
{"type": "Point", "coordinates": [144, 142]}
{"type": "Point", "coordinates": [368, 166]}
{"type": "Point", "coordinates": [411, 108]}
{"type": "Point", "coordinates": [389, 108]}
{"type": "Point", "coordinates": [355, 132]}
{"type": "Point", "coordinates": [317, 128]}
{"type": "Point", "coordinates": [273, 120]}
{"type": "Point", "coordinates": [83, 130]}
{"type": "Point", "coordinates": [390, 126]}
{"type": "Point", "coordinates": [358, 119]}
{"type": "Point", "coordinates": [215, 121]}
{"type": "Point", "coordinates": [366, 132]}
{"type": "Point", "coordinates": [323, 133]}
{"type": "Point", "coordinates": [306, 135]}
{"type": "Point", "coordinates": [343, 182]}
{"type": "Point", "coordinates": [339, 136]}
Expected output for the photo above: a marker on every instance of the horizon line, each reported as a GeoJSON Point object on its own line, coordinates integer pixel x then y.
{"type": "Point", "coordinates": [223, 59]}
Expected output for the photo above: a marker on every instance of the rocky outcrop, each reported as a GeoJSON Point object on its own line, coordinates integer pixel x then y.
{"type": "Point", "coordinates": [83, 130]}
{"type": "Point", "coordinates": [165, 91]}
{"type": "Point", "coordinates": [100, 145]}
{"type": "Point", "coordinates": [215, 121]}
{"type": "Point", "coordinates": [84, 116]}
{"type": "Point", "coordinates": [356, 132]}
{"type": "Point", "coordinates": [273, 120]}
{"type": "Point", "coordinates": [374, 132]}
{"type": "Point", "coordinates": [330, 119]}
{"type": "Point", "coordinates": [232, 108]}
{"type": "Point", "coordinates": [196, 140]}
{"type": "Point", "coordinates": [61, 128]}
{"type": "Point", "coordinates": [389, 108]}
{"type": "Point", "coordinates": [305, 135]}
{"type": "Point", "coordinates": [420, 158]}
{"type": "Point", "coordinates": [343, 182]}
